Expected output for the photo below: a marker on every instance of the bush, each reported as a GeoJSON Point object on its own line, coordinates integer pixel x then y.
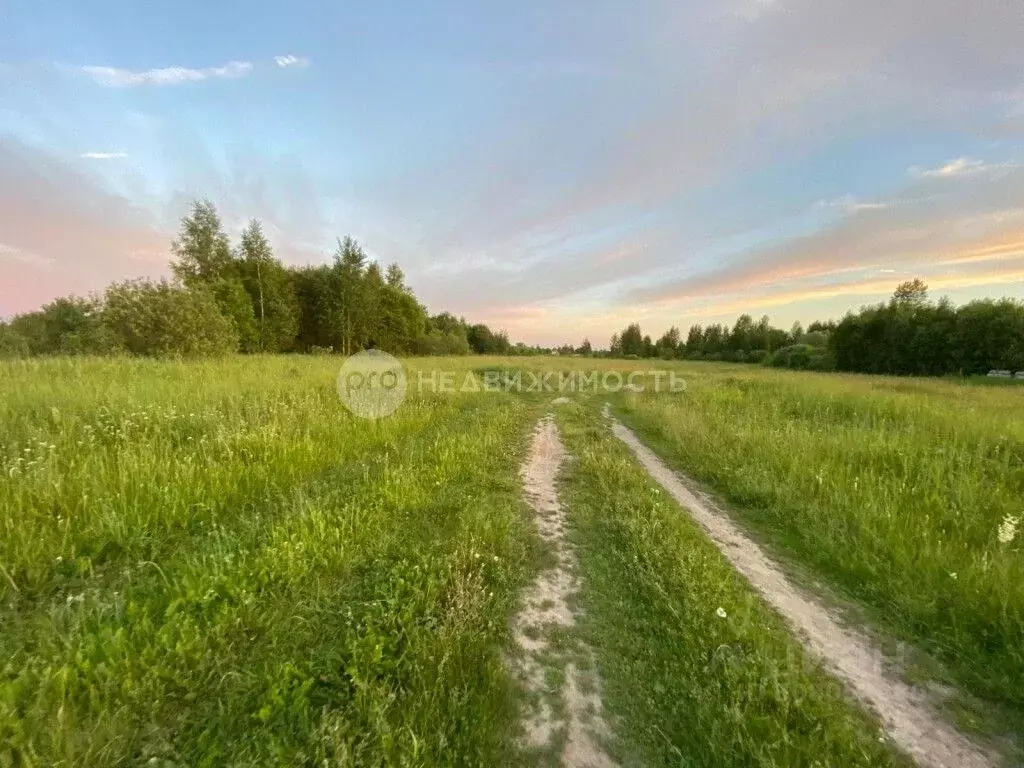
{"type": "Point", "coordinates": [12, 343]}
{"type": "Point", "coordinates": [801, 357]}
{"type": "Point", "coordinates": [441, 344]}
{"type": "Point", "coordinates": [164, 320]}
{"type": "Point", "coordinates": [66, 326]}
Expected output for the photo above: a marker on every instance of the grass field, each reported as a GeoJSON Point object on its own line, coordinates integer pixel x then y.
{"type": "Point", "coordinates": [895, 492]}
{"type": "Point", "coordinates": [696, 669]}
{"type": "Point", "coordinates": [214, 563]}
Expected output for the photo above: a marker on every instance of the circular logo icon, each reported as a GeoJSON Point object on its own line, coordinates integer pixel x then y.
{"type": "Point", "coordinates": [372, 384]}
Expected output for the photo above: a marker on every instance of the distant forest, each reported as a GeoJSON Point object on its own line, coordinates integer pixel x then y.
{"type": "Point", "coordinates": [908, 335]}
{"type": "Point", "coordinates": [241, 298]}
{"type": "Point", "coordinates": [226, 298]}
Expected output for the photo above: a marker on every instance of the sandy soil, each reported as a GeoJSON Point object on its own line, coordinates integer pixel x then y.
{"type": "Point", "coordinates": [906, 714]}
{"type": "Point", "coordinates": [574, 711]}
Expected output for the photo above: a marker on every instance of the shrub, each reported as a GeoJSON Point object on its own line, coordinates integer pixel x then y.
{"type": "Point", "coordinates": [441, 344]}
{"type": "Point", "coordinates": [66, 326]}
{"type": "Point", "coordinates": [164, 320]}
{"type": "Point", "coordinates": [802, 357]}
{"type": "Point", "coordinates": [12, 343]}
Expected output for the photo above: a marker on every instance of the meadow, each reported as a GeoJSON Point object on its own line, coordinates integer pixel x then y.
{"type": "Point", "coordinates": [901, 495]}
{"type": "Point", "coordinates": [214, 563]}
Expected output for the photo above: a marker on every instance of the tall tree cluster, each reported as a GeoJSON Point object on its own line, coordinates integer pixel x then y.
{"type": "Point", "coordinates": [907, 335]}
{"type": "Point", "coordinates": [911, 335]}
{"type": "Point", "coordinates": [243, 299]}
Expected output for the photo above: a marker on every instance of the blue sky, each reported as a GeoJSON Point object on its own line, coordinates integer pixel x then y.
{"type": "Point", "coordinates": [556, 169]}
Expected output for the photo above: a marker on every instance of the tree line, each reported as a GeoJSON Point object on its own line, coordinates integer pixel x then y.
{"type": "Point", "coordinates": [241, 298]}
{"type": "Point", "coordinates": [907, 335]}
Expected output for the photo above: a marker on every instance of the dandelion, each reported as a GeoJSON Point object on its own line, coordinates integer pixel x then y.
{"type": "Point", "coordinates": [1008, 529]}
{"type": "Point", "coordinates": [721, 613]}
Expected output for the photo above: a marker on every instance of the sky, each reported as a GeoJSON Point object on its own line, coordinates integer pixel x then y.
{"type": "Point", "coordinates": [556, 169]}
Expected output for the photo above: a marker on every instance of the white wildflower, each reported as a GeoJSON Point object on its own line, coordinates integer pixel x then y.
{"type": "Point", "coordinates": [721, 613]}
{"type": "Point", "coordinates": [1008, 529]}
{"type": "Point", "coordinates": [953, 575]}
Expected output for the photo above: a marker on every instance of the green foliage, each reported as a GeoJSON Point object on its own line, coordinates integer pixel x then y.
{"type": "Point", "coordinates": [66, 326]}
{"type": "Point", "coordinates": [801, 357]}
{"type": "Point", "coordinates": [484, 341]}
{"type": "Point", "coordinates": [341, 307]}
{"type": "Point", "coordinates": [202, 252]}
{"type": "Point", "coordinates": [161, 319]}
{"type": "Point", "coordinates": [12, 343]}
{"type": "Point", "coordinates": [442, 344]}
{"type": "Point", "coordinates": [629, 342]}
{"type": "Point", "coordinates": [347, 298]}
{"type": "Point", "coordinates": [911, 336]}
{"type": "Point", "coordinates": [235, 306]}
{"type": "Point", "coordinates": [271, 292]}
{"type": "Point", "coordinates": [668, 345]}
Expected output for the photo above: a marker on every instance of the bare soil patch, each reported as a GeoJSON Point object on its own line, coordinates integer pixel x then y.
{"type": "Point", "coordinates": [556, 670]}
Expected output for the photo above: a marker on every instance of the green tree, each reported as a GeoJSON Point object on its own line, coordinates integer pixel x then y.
{"type": "Point", "coordinates": [715, 338]}
{"type": "Point", "coordinates": [271, 292]}
{"type": "Point", "coordinates": [202, 257]}
{"type": "Point", "coordinates": [669, 344]}
{"type": "Point", "coordinates": [484, 341]}
{"type": "Point", "coordinates": [742, 334]}
{"type": "Point", "coordinates": [629, 342]}
{"type": "Point", "coordinates": [912, 293]}
{"type": "Point", "coordinates": [202, 251]}
{"type": "Point", "coordinates": [695, 341]}
{"type": "Point", "coordinates": [395, 278]}
{"type": "Point", "coordinates": [346, 305]}
{"type": "Point", "coordinates": [234, 303]}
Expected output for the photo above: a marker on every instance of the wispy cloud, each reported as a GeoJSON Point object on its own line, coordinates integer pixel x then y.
{"type": "Point", "coordinates": [962, 166]}
{"type": "Point", "coordinates": [10, 253]}
{"type": "Point", "coordinates": [103, 155]}
{"type": "Point", "coordinates": [115, 77]}
{"type": "Point", "coordinates": [291, 61]}
{"type": "Point", "coordinates": [850, 204]}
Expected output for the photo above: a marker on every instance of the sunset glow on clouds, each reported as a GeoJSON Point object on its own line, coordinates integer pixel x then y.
{"type": "Point", "coordinates": [554, 169]}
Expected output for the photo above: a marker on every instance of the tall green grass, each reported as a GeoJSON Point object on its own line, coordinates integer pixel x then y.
{"type": "Point", "coordinates": [893, 490]}
{"type": "Point", "coordinates": [213, 563]}
{"type": "Point", "coordinates": [697, 670]}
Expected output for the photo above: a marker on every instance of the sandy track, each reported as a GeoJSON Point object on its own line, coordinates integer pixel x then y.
{"type": "Point", "coordinates": [574, 711]}
{"type": "Point", "coordinates": [906, 714]}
